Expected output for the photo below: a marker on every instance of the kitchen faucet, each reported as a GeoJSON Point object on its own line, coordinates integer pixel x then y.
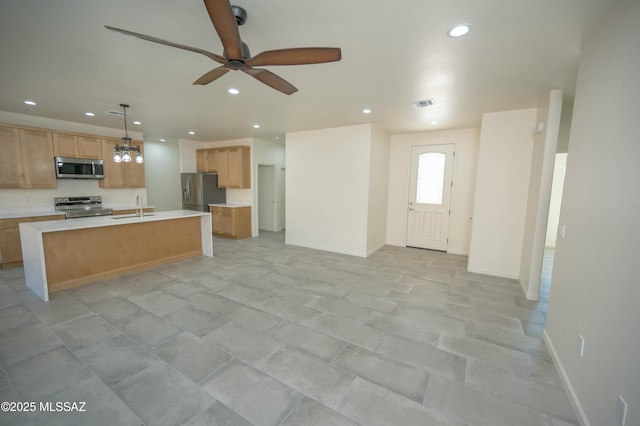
{"type": "Point", "coordinates": [139, 209]}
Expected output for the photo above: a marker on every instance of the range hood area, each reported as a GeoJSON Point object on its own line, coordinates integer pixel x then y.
{"type": "Point", "coordinates": [79, 168]}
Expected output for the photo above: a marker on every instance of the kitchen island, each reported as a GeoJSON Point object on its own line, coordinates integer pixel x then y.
{"type": "Point", "coordinates": [62, 254]}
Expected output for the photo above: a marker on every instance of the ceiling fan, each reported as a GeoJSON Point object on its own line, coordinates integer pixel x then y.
{"type": "Point", "coordinates": [236, 55]}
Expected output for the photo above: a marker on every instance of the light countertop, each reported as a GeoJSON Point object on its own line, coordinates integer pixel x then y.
{"type": "Point", "coordinates": [19, 213]}
{"type": "Point", "coordinates": [16, 213]}
{"type": "Point", "coordinates": [100, 221]}
{"type": "Point", "coordinates": [231, 205]}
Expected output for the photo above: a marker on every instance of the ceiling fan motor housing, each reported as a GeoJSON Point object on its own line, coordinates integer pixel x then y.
{"type": "Point", "coordinates": [240, 14]}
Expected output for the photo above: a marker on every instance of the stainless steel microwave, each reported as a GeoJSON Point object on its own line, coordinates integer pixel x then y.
{"type": "Point", "coordinates": [79, 168]}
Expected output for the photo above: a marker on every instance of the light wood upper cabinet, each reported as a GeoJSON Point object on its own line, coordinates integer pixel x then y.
{"type": "Point", "coordinates": [26, 159]}
{"type": "Point", "coordinates": [121, 175]}
{"type": "Point", "coordinates": [207, 161]}
{"type": "Point", "coordinates": [11, 169]}
{"type": "Point", "coordinates": [113, 172]}
{"type": "Point", "coordinates": [233, 165]}
{"type": "Point", "coordinates": [73, 146]}
{"type": "Point", "coordinates": [223, 168]}
{"type": "Point", "coordinates": [239, 167]}
{"type": "Point", "coordinates": [134, 172]}
{"type": "Point", "coordinates": [37, 157]}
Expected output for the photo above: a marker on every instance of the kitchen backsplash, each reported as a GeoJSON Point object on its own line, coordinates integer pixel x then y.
{"type": "Point", "coordinates": [42, 199]}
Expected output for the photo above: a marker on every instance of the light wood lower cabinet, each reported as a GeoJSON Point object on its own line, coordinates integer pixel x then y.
{"type": "Point", "coordinates": [73, 258]}
{"type": "Point", "coordinates": [10, 246]}
{"type": "Point", "coordinates": [231, 222]}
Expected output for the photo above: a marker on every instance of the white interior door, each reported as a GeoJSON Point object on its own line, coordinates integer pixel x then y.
{"type": "Point", "coordinates": [430, 196]}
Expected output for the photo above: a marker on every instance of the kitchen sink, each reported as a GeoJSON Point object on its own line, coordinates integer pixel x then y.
{"type": "Point", "coordinates": [127, 216]}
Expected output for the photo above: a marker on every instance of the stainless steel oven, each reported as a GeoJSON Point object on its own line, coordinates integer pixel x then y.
{"type": "Point", "coordinates": [85, 206]}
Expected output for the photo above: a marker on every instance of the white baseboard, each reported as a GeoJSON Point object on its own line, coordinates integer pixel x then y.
{"type": "Point", "coordinates": [573, 398]}
{"type": "Point", "coordinates": [460, 252]}
{"type": "Point", "coordinates": [529, 296]}
{"type": "Point", "coordinates": [375, 249]}
{"type": "Point", "coordinates": [493, 273]}
{"type": "Point", "coordinates": [404, 244]}
{"type": "Point", "coordinates": [331, 249]}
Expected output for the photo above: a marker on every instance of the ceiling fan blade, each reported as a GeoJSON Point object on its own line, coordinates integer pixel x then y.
{"type": "Point", "coordinates": [224, 21]}
{"type": "Point", "coordinates": [217, 58]}
{"type": "Point", "coordinates": [296, 56]}
{"type": "Point", "coordinates": [214, 74]}
{"type": "Point", "coordinates": [271, 80]}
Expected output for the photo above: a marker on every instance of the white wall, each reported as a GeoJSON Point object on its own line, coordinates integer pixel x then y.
{"type": "Point", "coordinates": [544, 151]}
{"type": "Point", "coordinates": [502, 185]}
{"type": "Point", "coordinates": [162, 174]}
{"type": "Point", "coordinates": [327, 182]}
{"type": "Point", "coordinates": [466, 142]}
{"type": "Point", "coordinates": [187, 150]}
{"type": "Point", "coordinates": [556, 199]}
{"type": "Point", "coordinates": [378, 190]}
{"type": "Point", "coordinates": [595, 289]}
{"type": "Point", "coordinates": [42, 199]}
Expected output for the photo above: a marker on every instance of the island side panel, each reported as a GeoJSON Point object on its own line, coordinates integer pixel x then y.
{"type": "Point", "coordinates": [206, 235]}
{"type": "Point", "coordinates": [81, 256]}
{"type": "Point", "coordinates": [35, 276]}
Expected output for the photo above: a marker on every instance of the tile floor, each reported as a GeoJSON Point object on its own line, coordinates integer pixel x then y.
{"type": "Point", "coordinates": [269, 334]}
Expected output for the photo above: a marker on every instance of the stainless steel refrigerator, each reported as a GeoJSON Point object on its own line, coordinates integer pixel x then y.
{"type": "Point", "coordinates": [199, 190]}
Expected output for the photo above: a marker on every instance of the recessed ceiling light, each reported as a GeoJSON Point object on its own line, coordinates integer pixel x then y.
{"type": "Point", "coordinates": [233, 91]}
{"type": "Point", "coordinates": [89, 114]}
{"type": "Point", "coordinates": [191, 132]}
{"type": "Point", "coordinates": [32, 103]}
{"type": "Point", "coordinates": [459, 30]}
{"type": "Point", "coordinates": [366, 111]}
{"type": "Point", "coordinates": [256, 126]}
{"type": "Point", "coordinates": [137, 122]}
{"type": "Point", "coordinates": [433, 122]}
{"type": "Point", "coordinates": [163, 140]}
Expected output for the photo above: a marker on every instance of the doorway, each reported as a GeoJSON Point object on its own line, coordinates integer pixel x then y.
{"type": "Point", "coordinates": [553, 220]}
{"type": "Point", "coordinates": [431, 183]}
{"type": "Point", "coordinates": [283, 200]}
{"type": "Point", "coordinates": [267, 218]}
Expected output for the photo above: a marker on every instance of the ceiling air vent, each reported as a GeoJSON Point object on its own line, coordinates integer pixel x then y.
{"type": "Point", "coordinates": [115, 113]}
{"type": "Point", "coordinates": [424, 103]}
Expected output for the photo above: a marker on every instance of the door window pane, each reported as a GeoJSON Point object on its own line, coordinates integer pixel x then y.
{"type": "Point", "coordinates": [430, 178]}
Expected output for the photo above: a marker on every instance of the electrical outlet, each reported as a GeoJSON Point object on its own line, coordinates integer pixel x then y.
{"type": "Point", "coordinates": [580, 345]}
{"type": "Point", "coordinates": [561, 229]}
{"type": "Point", "coordinates": [27, 199]}
{"type": "Point", "coordinates": [621, 411]}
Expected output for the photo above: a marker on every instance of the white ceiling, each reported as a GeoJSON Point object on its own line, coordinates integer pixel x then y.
{"type": "Point", "coordinates": [58, 53]}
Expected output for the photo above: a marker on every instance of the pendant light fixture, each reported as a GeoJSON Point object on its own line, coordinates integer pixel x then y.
{"type": "Point", "coordinates": [123, 153]}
